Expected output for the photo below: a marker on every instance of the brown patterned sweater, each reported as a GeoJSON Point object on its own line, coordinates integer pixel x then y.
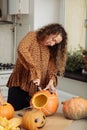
{"type": "Point", "coordinates": [32, 62]}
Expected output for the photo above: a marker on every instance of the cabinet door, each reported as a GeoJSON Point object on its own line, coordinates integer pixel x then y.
{"type": "Point", "coordinates": [18, 7]}
{"type": "Point", "coordinates": [4, 92]}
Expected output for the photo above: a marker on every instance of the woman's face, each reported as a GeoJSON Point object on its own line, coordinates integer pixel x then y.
{"type": "Point", "coordinates": [52, 40]}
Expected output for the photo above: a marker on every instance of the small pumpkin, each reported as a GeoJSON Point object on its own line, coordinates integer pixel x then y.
{"type": "Point", "coordinates": [6, 110]}
{"type": "Point", "coordinates": [75, 108]}
{"type": "Point", "coordinates": [33, 119]}
{"type": "Point", "coordinates": [46, 101]}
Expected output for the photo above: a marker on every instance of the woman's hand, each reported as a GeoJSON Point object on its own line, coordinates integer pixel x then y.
{"type": "Point", "coordinates": [51, 87]}
{"type": "Point", "coordinates": [36, 82]}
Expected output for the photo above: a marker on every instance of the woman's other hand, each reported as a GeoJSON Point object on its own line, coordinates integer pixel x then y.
{"type": "Point", "coordinates": [51, 87]}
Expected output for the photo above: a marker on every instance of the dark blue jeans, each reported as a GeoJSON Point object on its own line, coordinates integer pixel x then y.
{"type": "Point", "coordinates": [18, 98]}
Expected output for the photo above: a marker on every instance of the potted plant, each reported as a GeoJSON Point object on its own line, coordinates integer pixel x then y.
{"type": "Point", "coordinates": [74, 61]}
{"type": "Point", "coordinates": [84, 53]}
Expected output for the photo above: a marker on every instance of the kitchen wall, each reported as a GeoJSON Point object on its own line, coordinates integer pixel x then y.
{"type": "Point", "coordinates": [45, 12]}
{"type": "Point", "coordinates": [75, 15]}
{"type": "Point", "coordinates": [70, 13]}
{"type": "Point", "coordinates": [6, 43]}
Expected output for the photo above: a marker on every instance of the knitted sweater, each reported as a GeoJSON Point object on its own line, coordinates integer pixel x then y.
{"type": "Point", "coordinates": [33, 62]}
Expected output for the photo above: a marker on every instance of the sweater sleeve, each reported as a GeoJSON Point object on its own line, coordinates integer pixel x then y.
{"type": "Point", "coordinates": [52, 71]}
{"type": "Point", "coordinates": [25, 57]}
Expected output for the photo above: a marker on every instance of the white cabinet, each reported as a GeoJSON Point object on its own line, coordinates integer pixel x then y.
{"type": "Point", "coordinates": [18, 7]}
{"type": "Point", "coordinates": [4, 91]}
{"type": "Point", "coordinates": [3, 81]}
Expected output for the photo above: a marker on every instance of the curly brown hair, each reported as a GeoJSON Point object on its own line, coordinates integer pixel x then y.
{"type": "Point", "coordinates": [58, 51]}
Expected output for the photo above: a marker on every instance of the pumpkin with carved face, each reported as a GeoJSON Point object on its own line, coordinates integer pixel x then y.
{"type": "Point", "coordinates": [33, 119]}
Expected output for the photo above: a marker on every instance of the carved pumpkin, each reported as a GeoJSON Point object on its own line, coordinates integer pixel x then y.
{"type": "Point", "coordinates": [75, 108]}
{"type": "Point", "coordinates": [46, 101]}
{"type": "Point", "coordinates": [7, 110]}
{"type": "Point", "coordinates": [33, 119]}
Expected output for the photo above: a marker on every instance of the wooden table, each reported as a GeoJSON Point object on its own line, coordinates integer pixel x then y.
{"type": "Point", "coordinates": [54, 122]}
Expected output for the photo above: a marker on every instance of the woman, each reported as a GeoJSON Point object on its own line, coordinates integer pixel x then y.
{"type": "Point", "coordinates": [41, 55]}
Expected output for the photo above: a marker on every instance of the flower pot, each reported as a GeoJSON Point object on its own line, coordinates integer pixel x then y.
{"type": "Point", "coordinates": [85, 62]}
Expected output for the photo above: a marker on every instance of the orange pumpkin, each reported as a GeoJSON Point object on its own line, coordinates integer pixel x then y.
{"type": "Point", "coordinates": [75, 108]}
{"type": "Point", "coordinates": [33, 119]}
{"type": "Point", "coordinates": [46, 101]}
{"type": "Point", "coordinates": [7, 110]}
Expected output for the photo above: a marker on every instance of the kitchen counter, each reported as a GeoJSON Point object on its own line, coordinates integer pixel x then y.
{"type": "Point", "coordinates": [78, 125]}
{"type": "Point", "coordinates": [78, 75]}
{"type": "Point", "coordinates": [56, 121]}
